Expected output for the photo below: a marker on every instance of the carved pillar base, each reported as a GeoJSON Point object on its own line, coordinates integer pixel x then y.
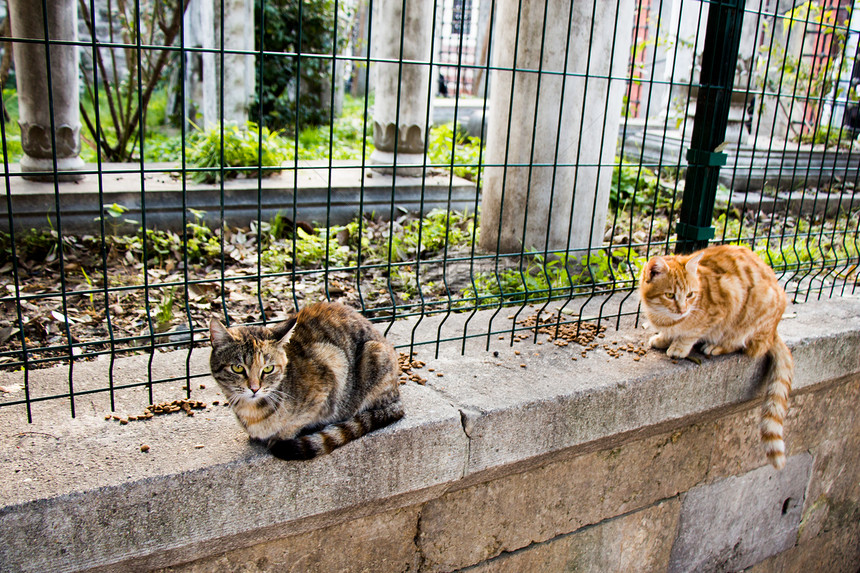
{"type": "Point", "coordinates": [46, 167]}
{"type": "Point", "coordinates": [410, 150]}
{"type": "Point", "coordinates": [408, 164]}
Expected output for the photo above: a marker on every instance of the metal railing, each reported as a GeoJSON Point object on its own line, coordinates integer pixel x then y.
{"type": "Point", "coordinates": [199, 214]}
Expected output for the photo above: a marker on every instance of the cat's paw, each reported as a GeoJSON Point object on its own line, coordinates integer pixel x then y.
{"type": "Point", "coordinates": [659, 341]}
{"type": "Point", "coordinates": [676, 350]}
{"type": "Point", "coordinates": [714, 350]}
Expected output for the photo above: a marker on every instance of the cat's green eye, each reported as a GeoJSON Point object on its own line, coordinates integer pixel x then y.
{"type": "Point", "coordinates": [670, 295]}
{"type": "Point", "coordinates": [269, 369]}
{"type": "Point", "coordinates": [691, 294]}
{"type": "Point", "coordinates": [237, 368]}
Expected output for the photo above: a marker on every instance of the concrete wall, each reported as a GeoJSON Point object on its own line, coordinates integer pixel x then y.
{"type": "Point", "coordinates": [513, 459]}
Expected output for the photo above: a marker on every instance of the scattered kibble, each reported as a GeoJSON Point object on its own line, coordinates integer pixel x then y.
{"type": "Point", "coordinates": [407, 363]}
{"type": "Point", "coordinates": [144, 448]}
{"type": "Point", "coordinates": [171, 407]}
{"type": "Point", "coordinates": [586, 334]}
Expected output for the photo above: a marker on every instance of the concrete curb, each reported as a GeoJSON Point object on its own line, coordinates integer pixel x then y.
{"type": "Point", "coordinates": [79, 494]}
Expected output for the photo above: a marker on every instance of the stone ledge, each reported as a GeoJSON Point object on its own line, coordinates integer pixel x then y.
{"type": "Point", "coordinates": [79, 494]}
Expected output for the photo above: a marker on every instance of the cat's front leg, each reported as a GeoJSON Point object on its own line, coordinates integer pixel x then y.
{"type": "Point", "coordinates": [659, 340]}
{"type": "Point", "coordinates": [681, 347]}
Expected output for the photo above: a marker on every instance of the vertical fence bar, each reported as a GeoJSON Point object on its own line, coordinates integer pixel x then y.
{"type": "Point", "coordinates": [57, 205]}
{"type": "Point", "coordinates": [719, 58]}
{"type": "Point", "coordinates": [428, 121]}
{"type": "Point", "coordinates": [183, 123]}
{"type": "Point", "coordinates": [103, 252]}
{"type": "Point", "coordinates": [13, 253]}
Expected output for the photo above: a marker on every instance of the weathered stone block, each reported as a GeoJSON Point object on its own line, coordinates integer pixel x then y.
{"type": "Point", "coordinates": [836, 551]}
{"type": "Point", "coordinates": [471, 525]}
{"type": "Point", "coordinates": [737, 445]}
{"type": "Point", "coordinates": [811, 415]}
{"type": "Point", "coordinates": [736, 522]}
{"type": "Point", "coordinates": [640, 541]}
{"type": "Point", "coordinates": [834, 491]}
{"type": "Point", "coordinates": [378, 543]}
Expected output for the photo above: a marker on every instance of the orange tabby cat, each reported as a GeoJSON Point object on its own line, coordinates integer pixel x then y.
{"type": "Point", "coordinates": [727, 298]}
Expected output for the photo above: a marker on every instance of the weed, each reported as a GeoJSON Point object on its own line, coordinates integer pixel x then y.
{"type": "Point", "coordinates": [164, 309]}
{"type": "Point", "coordinates": [443, 140]}
{"type": "Point", "coordinates": [561, 275]}
{"type": "Point", "coordinates": [637, 187]}
{"type": "Point", "coordinates": [241, 149]}
{"type": "Point", "coordinates": [437, 229]}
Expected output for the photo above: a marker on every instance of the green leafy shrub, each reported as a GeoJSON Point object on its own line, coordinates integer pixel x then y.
{"type": "Point", "coordinates": [467, 150]}
{"type": "Point", "coordinates": [310, 250]}
{"type": "Point", "coordinates": [633, 184]}
{"type": "Point", "coordinates": [559, 276]}
{"type": "Point", "coordinates": [437, 229]}
{"type": "Point", "coordinates": [241, 148]}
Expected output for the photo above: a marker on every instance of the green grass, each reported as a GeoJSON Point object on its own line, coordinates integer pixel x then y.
{"type": "Point", "coordinates": [14, 152]}
{"type": "Point", "coordinates": [560, 275]}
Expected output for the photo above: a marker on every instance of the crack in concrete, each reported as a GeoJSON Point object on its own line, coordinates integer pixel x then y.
{"type": "Point", "coordinates": [468, 417]}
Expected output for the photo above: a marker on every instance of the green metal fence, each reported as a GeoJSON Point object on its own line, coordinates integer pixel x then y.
{"type": "Point", "coordinates": [416, 160]}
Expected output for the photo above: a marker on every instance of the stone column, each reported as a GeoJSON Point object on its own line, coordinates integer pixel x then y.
{"type": "Point", "coordinates": [201, 88]}
{"type": "Point", "coordinates": [238, 68]}
{"type": "Point", "coordinates": [32, 77]}
{"type": "Point", "coordinates": [405, 124]}
{"type": "Point", "coordinates": [544, 206]}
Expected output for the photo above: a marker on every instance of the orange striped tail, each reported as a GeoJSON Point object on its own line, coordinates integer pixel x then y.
{"type": "Point", "coordinates": [775, 405]}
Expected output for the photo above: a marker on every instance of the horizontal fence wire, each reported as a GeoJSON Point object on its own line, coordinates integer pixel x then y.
{"type": "Point", "coordinates": [474, 170]}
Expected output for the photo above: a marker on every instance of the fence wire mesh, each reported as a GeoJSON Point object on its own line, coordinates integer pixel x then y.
{"type": "Point", "coordinates": [166, 162]}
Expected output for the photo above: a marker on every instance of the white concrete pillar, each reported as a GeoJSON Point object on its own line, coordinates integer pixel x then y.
{"type": "Point", "coordinates": [404, 123]}
{"type": "Point", "coordinates": [31, 74]}
{"type": "Point", "coordinates": [238, 69]}
{"type": "Point", "coordinates": [541, 206]}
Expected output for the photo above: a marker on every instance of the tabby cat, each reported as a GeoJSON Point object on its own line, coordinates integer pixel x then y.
{"type": "Point", "coordinates": [729, 299]}
{"type": "Point", "coordinates": [310, 384]}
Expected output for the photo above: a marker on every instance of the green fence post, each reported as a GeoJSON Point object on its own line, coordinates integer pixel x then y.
{"type": "Point", "coordinates": [704, 158]}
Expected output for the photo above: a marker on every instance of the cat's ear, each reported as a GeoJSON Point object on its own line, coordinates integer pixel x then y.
{"type": "Point", "coordinates": [656, 266]}
{"type": "Point", "coordinates": [218, 334]}
{"type": "Point", "coordinates": [283, 331]}
{"type": "Point", "coordinates": [693, 264]}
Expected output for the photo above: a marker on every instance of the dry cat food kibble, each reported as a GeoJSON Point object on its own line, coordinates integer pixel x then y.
{"type": "Point", "coordinates": [407, 363]}
{"type": "Point", "coordinates": [171, 407]}
{"type": "Point", "coordinates": [584, 334]}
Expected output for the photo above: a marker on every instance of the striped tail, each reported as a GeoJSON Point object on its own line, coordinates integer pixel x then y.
{"type": "Point", "coordinates": [775, 405]}
{"type": "Point", "coordinates": [306, 447]}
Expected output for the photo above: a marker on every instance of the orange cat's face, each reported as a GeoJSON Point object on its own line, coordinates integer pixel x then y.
{"type": "Point", "coordinates": [670, 287]}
